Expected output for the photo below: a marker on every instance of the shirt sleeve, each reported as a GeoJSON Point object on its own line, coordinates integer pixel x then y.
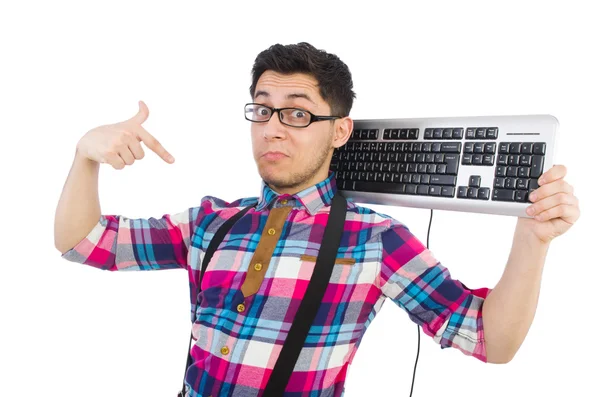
{"type": "Point", "coordinates": [445, 308]}
{"type": "Point", "coordinates": [120, 243]}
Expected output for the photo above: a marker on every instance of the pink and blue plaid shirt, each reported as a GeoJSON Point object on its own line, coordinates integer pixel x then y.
{"type": "Point", "coordinates": [246, 309]}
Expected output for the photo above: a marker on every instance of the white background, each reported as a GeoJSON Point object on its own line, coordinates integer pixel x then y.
{"type": "Point", "coordinates": [72, 330]}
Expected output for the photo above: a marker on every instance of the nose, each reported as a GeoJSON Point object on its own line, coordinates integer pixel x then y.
{"type": "Point", "coordinates": [274, 129]}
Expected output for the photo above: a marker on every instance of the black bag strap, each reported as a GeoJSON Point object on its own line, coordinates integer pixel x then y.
{"type": "Point", "coordinates": [212, 247]}
{"type": "Point", "coordinates": [311, 302]}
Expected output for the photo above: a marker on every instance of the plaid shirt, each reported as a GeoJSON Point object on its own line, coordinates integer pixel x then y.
{"type": "Point", "coordinates": [256, 279]}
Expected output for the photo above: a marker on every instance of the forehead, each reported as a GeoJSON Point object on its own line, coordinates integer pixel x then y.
{"type": "Point", "coordinates": [288, 86]}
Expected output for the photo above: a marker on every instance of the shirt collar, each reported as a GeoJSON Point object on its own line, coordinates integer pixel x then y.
{"type": "Point", "coordinates": [312, 198]}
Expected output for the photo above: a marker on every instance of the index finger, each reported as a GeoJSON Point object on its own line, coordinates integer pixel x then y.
{"type": "Point", "coordinates": [152, 143]}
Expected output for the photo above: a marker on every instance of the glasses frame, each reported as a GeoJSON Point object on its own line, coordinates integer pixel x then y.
{"type": "Point", "coordinates": [313, 117]}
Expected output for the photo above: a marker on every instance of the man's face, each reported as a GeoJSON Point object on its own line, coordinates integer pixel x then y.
{"type": "Point", "coordinates": [306, 151]}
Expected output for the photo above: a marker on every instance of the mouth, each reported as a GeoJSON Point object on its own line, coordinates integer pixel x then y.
{"type": "Point", "coordinates": [273, 156]}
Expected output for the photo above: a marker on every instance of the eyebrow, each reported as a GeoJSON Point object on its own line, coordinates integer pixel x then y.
{"type": "Point", "coordinates": [289, 96]}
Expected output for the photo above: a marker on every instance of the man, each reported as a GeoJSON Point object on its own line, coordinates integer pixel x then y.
{"type": "Point", "coordinates": [254, 283]}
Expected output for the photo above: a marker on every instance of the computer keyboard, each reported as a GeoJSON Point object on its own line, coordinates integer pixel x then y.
{"type": "Point", "coordinates": [485, 164]}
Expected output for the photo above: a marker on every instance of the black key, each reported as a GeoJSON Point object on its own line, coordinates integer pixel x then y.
{"type": "Point", "coordinates": [469, 147]}
{"type": "Point", "coordinates": [492, 133]}
{"type": "Point", "coordinates": [395, 134]}
{"type": "Point", "coordinates": [479, 147]}
{"type": "Point", "coordinates": [404, 133]}
{"type": "Point", "coordinates": [472, 192]}
{"type": "Point", "coordinates": [515, 148]}
{"type": "Point", "coordinates": [503, 195]}
{"type": "Point", "coordinates": [537, 164]}
{"type": "Point", "coordinates": [457, 133]}
{"type": "Point", "coordinates": [437, 133]}
{"type": "Point", "coordinates": [513, 159]}
{"type": "Point", "coordinates": [439, 158]}
{"type": "Point", "coordinates": [533, 184]}
{"type": "Point", "coordinates": [373, 134]}
{"type": "Point", "coordinates": [522, 184]}
{"type": "Point", "coordinates": [428, 133]}
{"type": "Point", "coordinates": [451, 163]}
{"type": "Point", "coordinates": [483, 193]}
{"type": "Point", "coordinates": [523, 172]}
{"type": "Point", "coordinates": [415, 178]}
{"type": "Point", "coordinates": [510, 183]}
{"type": "Point", "coordinates": [425, 179]}
{"type": "Point", "coordinates": [451, 147]}
{"type": "Point", "coordinates": [423, 190]}
{"type": "Point", "coordinates": [502, 159]}
{"type": "Point", "coordinates": [379, 187]}
{"type": "Point", "coordinates": [441, 169]}
{"type": "Point", "coordinates": [477, 159]}
{"type": "Point", "coordinates": [436, 147]}
{"type": "Point", "coordinates": [470, 133]}
{"type": "Point", "coordinates": [462, 192]}
{"type": "Point", "coordinates": [411, 189]}
{"type": "Point", "coordinates": [449, 180]}
{"type": "Point", "coordinates": [480, 133]}
{"type": "Point", "coordinates": [512, 171]}
{"type": "Point", "coordinates": [539, 148]}
{"type": "Point", "coordinates": [525, 160]}
{"type": "Point", "coordinates": [406, 178]}
{"type": "Point", "coordinates": [499, 183]}
{"type": "Point", "coordinates": [490, 148]}
{"type": "Point", "coordinates": [431, 168]}
{"type": "Point", "coordinates": [521, 196]}
{"type": "Point", "coordinates": [435, 190]}
{"type": "Point", "coordinates": [430, 158]}
{"type": "Point", "coordinates": [447, 134]}
{"type": "Point", "coordinates": [413, 133]}
{"type": "Point", "coordinates": [467, 159]}
{"type": "Point", "coordinates": [474, 181]}
{"type": "Point", "coordinates": [527, 148]}
{"type": "Point", "coordinates": [422, 169]}
{"type": "Point", "coordinates": [488, 159]}
{"type": "Point", "coordinates": [447, 191]}
{"type": "Point", "coordinates": [504, 148]}
{"type": "Point", "coordinates": [426, 147]}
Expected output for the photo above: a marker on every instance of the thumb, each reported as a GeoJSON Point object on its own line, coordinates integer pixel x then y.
{"type": "Point", "coordinates": [142, 114]}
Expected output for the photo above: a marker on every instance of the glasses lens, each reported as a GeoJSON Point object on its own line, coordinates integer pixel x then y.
{"type": "Point", "coordinates": [295, 117]}
{"type": "Point", "coordinates": [255, 112]}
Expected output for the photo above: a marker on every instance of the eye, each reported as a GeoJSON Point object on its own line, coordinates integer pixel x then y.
{"type": "Point", "coordinates": [299, 114]}
{"type": "Point", "coordinates": [262, 111]}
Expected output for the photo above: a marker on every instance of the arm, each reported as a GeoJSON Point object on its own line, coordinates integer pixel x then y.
{"type": "Point", "coordinates": [509, 309]}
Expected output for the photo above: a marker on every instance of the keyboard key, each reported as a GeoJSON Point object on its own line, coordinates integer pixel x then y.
{"type": "Point", "coordinates": [490, 148]}
{"type": "Point", "coordinates": [451, 163]}
{"type": "Point", "coordinates": [472, 192]}
{"type": "Point", "coordinates": [522, 184]}
{"type": "Point", "coordinates": [515, 148]}
{"type": "Point", "coordinates": [479, 147]}
{"type": "Point", "coordinates": [467, 159]}
{"type": "Point", "coordinates": [503, 195]}
{"type": "Point", "coordinates": [379, 187]}
{"type": "Point", "coordinates": [499, 183]}
{"type": "Point", "coordinates": [502, 159]}
{"type": "Point", "coordinates": [413, 133]}
{"type": "Point", "coordinates": [428, 133]}
{"type": "Point", "coordinates": [474, 181]}
{"type": "Point", "coordinates": [447, 133]}
{"type": "Point", "coordinates": [451, 147]}
{"type": "Point", "coordinates": [462, 192]}
{"type": "Point", "coordinates": [523, 172]}
{"type": "Point", "coordinates": [521, 196]}
{"type": "Point", "coordinates": [411, 189]}
{"type": "Point", "coordinates": [447, 191]}
{"type": "Point", "coordinates": [449, 180]}
{"type": "Point", "coordinates": [435, 190]}
{"type": "Point", "coordinates": [492, 133]}
{"type": "Point", "coordinates": [423, 190]}
{"type": "Point", "coordinates": [480, 133]}
{"type": "Point", "coordinates": [437, 133]}
{"type": "Point", "coordinates": [483, 193]}
{"type": "Point", "coordinates": [457, 133]}
{"type": "Point", "coordinates": [527, 148]}
{"type": "Point", "coordinates": [488, 159]}
{"type": "Point", "coordinates": [470, 133]}
{"type": "Point", "coordinates": [537, 164]}
{"type": "Point", "coordinates": [504, 148]}
{"type": "Point", "coordinates": [469, 147]}
{"type": "Point", "coordinates": [477, 159]}
{"type": "Point", "coordinates": [539, 148]}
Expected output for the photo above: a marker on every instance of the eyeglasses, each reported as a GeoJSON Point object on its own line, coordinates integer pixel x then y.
{"type": "Point", "coordinates": [293, 117]}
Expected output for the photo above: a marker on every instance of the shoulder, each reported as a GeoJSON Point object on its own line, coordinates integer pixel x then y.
{"type": "Point", "coordinates": [379, 222]}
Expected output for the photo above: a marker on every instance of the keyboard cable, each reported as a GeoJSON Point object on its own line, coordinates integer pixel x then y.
{"type": "Point", "coordinates": [418, 328]}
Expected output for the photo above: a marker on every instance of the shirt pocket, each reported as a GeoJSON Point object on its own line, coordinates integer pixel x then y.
{"type": "Point", "coordinates": [338, 261]}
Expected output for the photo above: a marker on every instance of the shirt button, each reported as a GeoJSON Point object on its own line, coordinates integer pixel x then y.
{"type": "Point", "coordinates": [271, 231]}
{"type": "Point", "coordinates": [257, 266]}
{"type": "Point", "coordinates": [224, 350]}
{"type": "Point", "coordinates": [284, 202]}
{"type": "Point", "coordinates": [241, 307]}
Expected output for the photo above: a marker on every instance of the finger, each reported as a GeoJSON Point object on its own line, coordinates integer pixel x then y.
{"type": "Point", "coordinates": [141, 115]}
{"type": "Point", "coordinates": [558, 186]}
{"type": "Point", "coordinates": [136, 150]}
{"type": "Point", "coordinates": [553, 174]}
{"type": "Point", "coordinates": [126, 155]}
{"type": "Point", "coordinates": [568, 213]}
{"type": "Point", "coordinates": [551, 202]}
{"type": "Point", "coordinates": [152, 143]}
{"type": "Point", "coordinates": [115, 160]}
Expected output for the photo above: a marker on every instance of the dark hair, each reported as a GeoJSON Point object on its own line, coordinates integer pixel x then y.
{"type": "Point", "coordinates": [333, 76]}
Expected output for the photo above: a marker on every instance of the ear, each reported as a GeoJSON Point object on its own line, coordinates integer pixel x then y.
{"type": "Point", "coordinates": [343, 131]}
